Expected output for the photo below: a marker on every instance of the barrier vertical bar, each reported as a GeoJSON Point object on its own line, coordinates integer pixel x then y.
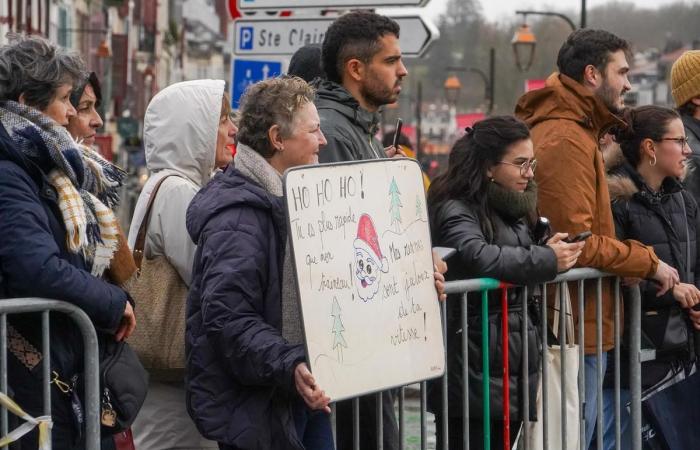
{"type": "Point", "coordinates": [46, 362]}
{"type": "Point", "coordinates": [379, 397]}
{"type": "Point", "coordinates": [356, 423]}
{"type": "Point", "coordinates": [423, 418]}
{"type": "Point", "coordinates": [445, 409]}
{"type": "Point", "coordinates": [635, 311]}
{"type": "Point", "coordinates": [505, 342]}
{"type": "Point", "coordinates": [599, 361]}
{"type": "Point", "coordinates": [525, 369]}
{"type": "Point", "coordinates": [485, 364]}
{"type": "Point", "coordinates": [402, 420]}
{"type": "Point", "coordinates": [581, 366]}
{"type": "Point", "coordinates": [562, 354]}
{"type": "Point", "coordinates": [545, 364]}
{"type": "Point", "coordinates": [465, 373]}
{"type": "Point", "coordinates": [616, 316]}
{"type": "Point", "coordinates": [334, 421]}
{"type": "Point", "coordinates": [3, 371]}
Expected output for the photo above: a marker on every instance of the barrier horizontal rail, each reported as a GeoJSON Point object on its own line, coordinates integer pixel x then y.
{"type": "Point", "coordinates": [575, 275]}
{"type": "Point", "coordinates": [91, 361]}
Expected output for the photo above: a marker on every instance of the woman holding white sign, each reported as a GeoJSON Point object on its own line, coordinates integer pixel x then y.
{"type": "Point", "coordinates": [481, 206]}
{"type": "Point", "coordinates": [248, 384]}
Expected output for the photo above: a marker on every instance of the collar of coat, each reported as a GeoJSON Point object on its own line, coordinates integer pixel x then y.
{"type": "Point", "coordinates": [331, 95]}
{"type": "Point", "coordinates": [564, 98]}
{"type": "Point", "coordinates": [624, 183]}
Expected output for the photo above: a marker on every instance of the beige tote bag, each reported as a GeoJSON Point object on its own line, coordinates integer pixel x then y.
{"type": "Point", "coordinates": [554, 387]}
{"type": "Point", "coordinates": [161, 296]}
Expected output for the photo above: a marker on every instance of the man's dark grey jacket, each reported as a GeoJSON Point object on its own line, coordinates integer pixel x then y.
{"type": "Point", "coordinates": [349, 128]}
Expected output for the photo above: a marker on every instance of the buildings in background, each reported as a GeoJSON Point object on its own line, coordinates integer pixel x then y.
{"type": "Point", "coordinates": [136, 47]}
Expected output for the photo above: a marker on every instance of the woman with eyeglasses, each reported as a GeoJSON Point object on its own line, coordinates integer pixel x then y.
{"type": "Point", "coordinates": [483, 206]}
{"type": "Point", "coordinates": [651, 205]}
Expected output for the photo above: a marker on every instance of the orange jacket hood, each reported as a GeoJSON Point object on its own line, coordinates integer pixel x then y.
{"type": "Point", "coordinates": [563, 98]}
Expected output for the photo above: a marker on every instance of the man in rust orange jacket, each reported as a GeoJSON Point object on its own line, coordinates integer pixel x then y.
{"type": "Point", "coordinates": [567, 117]}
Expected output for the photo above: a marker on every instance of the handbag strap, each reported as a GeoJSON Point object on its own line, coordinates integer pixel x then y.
{"type": "Point", "coordinates": [141, 236]}
{"type": "Point", "coordinates": [687, 240]}
{"type": "Point", "coordinates": [563, 291]}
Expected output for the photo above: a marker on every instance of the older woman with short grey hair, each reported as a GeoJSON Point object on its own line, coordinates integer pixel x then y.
{"type": "Point", "coordinates": [247, 383]}
{"type": "Point", "coordinates": [59, 238]}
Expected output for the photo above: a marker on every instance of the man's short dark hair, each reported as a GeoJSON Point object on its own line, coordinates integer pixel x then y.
{"type": "Point", "coordinates": [586, 47]}
{"type": "Point", "coordinates": [354, 35]}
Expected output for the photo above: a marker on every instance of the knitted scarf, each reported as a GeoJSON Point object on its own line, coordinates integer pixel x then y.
{"type": "Point", "coordinates": [251, 164]}
{"type": "Point", "coordinates": [86, 184]}
{"type": "Point", "coordinates": [510, 204]}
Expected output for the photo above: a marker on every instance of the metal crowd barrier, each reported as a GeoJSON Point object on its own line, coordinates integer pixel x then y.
{"type": "Point", "coordinates": [45, 306]}
{"type": "Point", "coordinates": [484, 285]}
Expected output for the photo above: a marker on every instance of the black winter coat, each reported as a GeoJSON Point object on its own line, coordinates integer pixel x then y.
{"type": "Point", "coordinates": [35, 262]}
{"type": "Point", "coordinates": [657, 220]}
{"type": "Point", "coordinates": [511, 257]}
{"type": "Point", "coordinates": [240, 381]}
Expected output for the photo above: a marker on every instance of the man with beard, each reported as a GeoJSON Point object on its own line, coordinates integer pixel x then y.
{"type": "Point", "coordinates": [567, 117]}
{"type": "Point", "coordinates": [362, 62]}
{"type": "Point", "coordinates": [685, 87]}
{"type": "Point", "coordinates": [361, 59]}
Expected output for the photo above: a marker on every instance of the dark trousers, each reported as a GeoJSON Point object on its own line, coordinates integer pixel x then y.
{"type": "Point", "coordinates": [455, 432]}
{"type": "Point", "coordinates": [368, 423]}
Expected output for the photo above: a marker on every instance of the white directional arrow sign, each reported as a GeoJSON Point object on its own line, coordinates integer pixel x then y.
{"type": "Point", "coordinates": [284, 4]}
{"type": "Point", "coordinates": [254, 37]}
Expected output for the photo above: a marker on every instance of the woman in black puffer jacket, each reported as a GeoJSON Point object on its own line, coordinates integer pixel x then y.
{"type": "Point", "coordinates": [651, 205]}
{"type": "Point", "coordinates": [480, 207]}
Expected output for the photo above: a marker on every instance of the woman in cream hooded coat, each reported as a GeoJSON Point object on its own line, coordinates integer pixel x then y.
{"type": "Point", "coordinates": [187, 129]}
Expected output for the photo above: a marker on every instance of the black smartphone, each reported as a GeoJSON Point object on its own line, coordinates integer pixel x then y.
{"type": "Point", "coordinates": [579, 237]}
{"type": "Point", "coordinates": [542, 231]}
{"type": "Point", "coordinates": [397, 133]}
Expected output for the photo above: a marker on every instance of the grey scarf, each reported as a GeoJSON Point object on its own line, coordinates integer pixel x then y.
{"type": "Point", "coordinates": [251, 164]}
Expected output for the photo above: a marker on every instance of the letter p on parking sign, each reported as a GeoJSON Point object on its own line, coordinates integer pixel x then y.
{"type": "Point", "coordinates": [246, 38]}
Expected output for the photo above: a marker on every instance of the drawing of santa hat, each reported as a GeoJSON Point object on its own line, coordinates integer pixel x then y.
{"type": "Point", "coordinates": [368, 241]}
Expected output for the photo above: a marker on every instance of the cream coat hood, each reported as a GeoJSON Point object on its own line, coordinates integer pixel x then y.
{"type": "Point", "coordinates": [180, 128]}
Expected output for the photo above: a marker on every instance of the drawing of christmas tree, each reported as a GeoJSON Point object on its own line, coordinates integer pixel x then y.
{"type": "Point", "coordinates": [419, 207]}
{"type": "Point", "coordinates": [338, 328]}
{"type": "Point", "coordinates": [395, 205]}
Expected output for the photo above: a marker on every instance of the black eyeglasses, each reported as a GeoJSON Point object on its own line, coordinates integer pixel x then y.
{"type": "Point", "coordinates": [524, 167]}
{"type": "Point", "coordinates": [682, 141]}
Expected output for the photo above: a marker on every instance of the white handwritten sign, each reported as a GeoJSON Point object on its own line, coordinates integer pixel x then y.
{"type": "Point", "coordinates": [362, 253]}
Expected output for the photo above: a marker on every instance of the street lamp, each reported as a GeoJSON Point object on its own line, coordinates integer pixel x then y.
{"type": "Point", "coordinates": [488, 80]}
{"type": "Point", "coordinates": [452, 89]}
{"type": "Point", "coordinates": [524, 40]}
{"type": "Point", "coordinates": [524, 43]}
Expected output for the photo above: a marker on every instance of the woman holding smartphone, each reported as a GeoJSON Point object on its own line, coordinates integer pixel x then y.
{"type": "Point", "coordinates": [483, 207]}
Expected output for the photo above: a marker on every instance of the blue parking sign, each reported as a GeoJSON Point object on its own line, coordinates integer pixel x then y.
{"type": "Point", "coordinates": [246, 38]}
{"type": "Point", "coordinates": [247, 72]}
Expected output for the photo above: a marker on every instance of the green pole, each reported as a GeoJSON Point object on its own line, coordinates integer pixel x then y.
{"type": "Point", "coordinates": [485, 365]}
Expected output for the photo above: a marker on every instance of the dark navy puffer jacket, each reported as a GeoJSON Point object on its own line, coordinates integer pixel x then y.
{"type": "Point", "coordinates": [240, 370]}
{"type": "Point", "coordinates": [34, 262]}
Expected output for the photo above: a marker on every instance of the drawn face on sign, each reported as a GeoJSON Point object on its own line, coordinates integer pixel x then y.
{"type": "Point", "coordinates": [369, 262]}
{"type": "Point", "coordinates": [366, 273]}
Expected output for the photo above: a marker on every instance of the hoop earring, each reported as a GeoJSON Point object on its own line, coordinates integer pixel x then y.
{"type": "Point", "coordinates": [652, 163]}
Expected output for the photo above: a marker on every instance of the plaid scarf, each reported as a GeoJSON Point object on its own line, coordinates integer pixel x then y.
{"type": "Point", "coordinates": [87, 184]}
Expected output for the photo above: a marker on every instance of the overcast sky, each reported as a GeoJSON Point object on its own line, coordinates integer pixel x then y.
{"type": "Point", "coordinates": [496, 10]}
